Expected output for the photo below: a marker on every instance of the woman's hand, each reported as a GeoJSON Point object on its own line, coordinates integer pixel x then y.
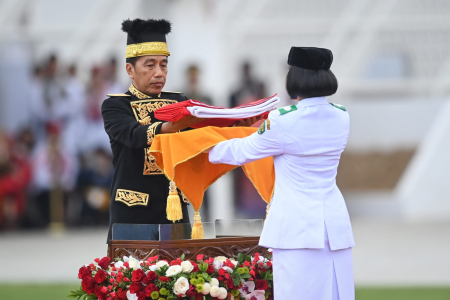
{"type": "Point", "coordinates": [248, 122]}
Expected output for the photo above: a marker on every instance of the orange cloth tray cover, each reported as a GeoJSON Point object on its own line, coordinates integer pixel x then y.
{"type": "Point", "coordinates": [180, 157]}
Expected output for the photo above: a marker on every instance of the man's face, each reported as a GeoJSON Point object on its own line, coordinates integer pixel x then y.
{"type": "Point", "coordinates": [149, 73]}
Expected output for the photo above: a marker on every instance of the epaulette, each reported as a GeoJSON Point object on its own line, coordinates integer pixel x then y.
{"type": "Point", "coordinates": [172, 92]}
{"type": "Point", "coordinates": [118, 95]}
{"type": "Point", "coordinates": [341, 107]}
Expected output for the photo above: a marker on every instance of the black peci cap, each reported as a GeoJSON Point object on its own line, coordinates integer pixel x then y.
{"type": "Point", "coordinates": [310, 58]}
{"type": "Point", "coordinates": [146, 37]}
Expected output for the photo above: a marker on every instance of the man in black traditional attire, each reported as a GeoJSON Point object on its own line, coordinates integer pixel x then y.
{"type": "Point", "coordinates": [140, 189]}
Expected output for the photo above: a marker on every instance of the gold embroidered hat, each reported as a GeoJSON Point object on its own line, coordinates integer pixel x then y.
{"type": "Point", "coordinates": [146, 37]}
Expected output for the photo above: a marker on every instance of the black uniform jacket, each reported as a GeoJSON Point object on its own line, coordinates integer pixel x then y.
{"type": "Point", "coordinates": [139, 189]}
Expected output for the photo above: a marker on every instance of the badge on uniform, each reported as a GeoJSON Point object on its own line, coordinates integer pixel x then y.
{"type": "Point", "coordinates": [264, 125]}
{"type": "Point", "coordinates": [287, 109]}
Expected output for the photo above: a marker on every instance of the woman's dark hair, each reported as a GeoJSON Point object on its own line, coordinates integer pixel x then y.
{"type": "Point", "coordinates": [306, 83]}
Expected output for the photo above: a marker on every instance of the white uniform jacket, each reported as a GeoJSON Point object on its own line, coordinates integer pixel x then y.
{"type": "Point", "coordinates": [306, 141]}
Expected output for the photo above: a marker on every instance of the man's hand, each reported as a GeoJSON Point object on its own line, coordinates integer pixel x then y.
{"type": "Point", "coordinates": [248, 122]}
{"type": "Point", "coordinates": [172, 127]}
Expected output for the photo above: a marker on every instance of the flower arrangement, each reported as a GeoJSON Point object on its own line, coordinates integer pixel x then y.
{"type": "Point", "coordinates": [205, 278]}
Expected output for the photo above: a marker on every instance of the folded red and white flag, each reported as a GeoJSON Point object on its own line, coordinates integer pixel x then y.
{"type": "Point", "coordinates": [216, 115]}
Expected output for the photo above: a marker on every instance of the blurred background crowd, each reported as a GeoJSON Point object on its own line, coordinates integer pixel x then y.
{"type": "Point", "coordinates": [59, 59]}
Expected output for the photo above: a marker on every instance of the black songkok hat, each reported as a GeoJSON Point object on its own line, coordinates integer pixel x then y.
{"type": "Point", "coordinates": [310, 58]}
{"type": "Point", "coordinates": [146, 37]}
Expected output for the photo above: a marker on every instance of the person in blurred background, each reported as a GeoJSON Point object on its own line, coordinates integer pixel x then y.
{"type": "Point", "coordinates": [54, 173]}
{"type": "Point", "coordinates": [193, 89]}
{"type": "Point", "coordinates": [245, 195]}
{"type": "Point", "coordinates": [15, 174]}
{"type": "Point", "coordinates": [308, 225]}
{"type": "Point", "coordinates": [250, 89]}
{"type": "Point", "coordinates": [113, 86]}
{"type": "Point", "coordinates": [139, 189]}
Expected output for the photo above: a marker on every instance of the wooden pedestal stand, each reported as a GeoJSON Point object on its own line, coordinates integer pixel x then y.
{"type": "Point", "coordinates": [170, 250]}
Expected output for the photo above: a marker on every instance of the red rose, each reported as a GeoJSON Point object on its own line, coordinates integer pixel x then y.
{"type": "Point", "coordinates": [199, 296]}
{"type": "Point", "coordinates": [261, 284]}
{"type": "Point", "coordinates": [88, 284]}
{"type": "Point", "coordinates": [99, 293]}
{"type": "Point", "coordinates": [151, 276]}
{"type": "Point", "coordinates": [119, 278]}
{"type": "Point", "coordinates": [104, 263]}
{"type": "Point", "coordinates": [136, 287]}
{"type": "Point", "coordinates": [221, 272]}
{"type": "Point", "coordinates": [121, 294]}
{"type": "Point", "coordinates": [246, 263]}
{"type": "Point", "coordinates": [149, 289]}
{"type": "Point", "coordinates": [83, 272]}
{"type": "Point", "coordinates": [191, 292]}
{"type": "Point", "coordinates": [100, 276]}
{"type": "Point", "coordinates": [141, 295]}
{"type": "Point", "coordinates": [195, 268]}
{"type": "Point", "coordinates": [269, 264]}
{"type": "Point", "coordinates": [137, 275]}
{"type": "Point", "coordinates": [200, 257]}
{"type": "Point", "coordinates": [164, 279]}
{"type": "Point", "coordinates": [210, 270]}
{"type": "Point", "coordinates": [230, 284]}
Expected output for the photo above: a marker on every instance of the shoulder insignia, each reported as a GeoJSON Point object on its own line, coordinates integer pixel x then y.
{"type": "Point", "coordinates": [172, 92]}
{"type": "Point", "coordinates": [118, 95]}
{"type": "Point", "coordinates": [262, 128]}
{"type": "Point", "coordinates": [339, 106]}
{"type": "Point", "coordinates": [287, 109]}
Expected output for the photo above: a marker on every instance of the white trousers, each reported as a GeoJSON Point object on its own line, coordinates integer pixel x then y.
{"type": "Point", "coordinates": [313, 274]}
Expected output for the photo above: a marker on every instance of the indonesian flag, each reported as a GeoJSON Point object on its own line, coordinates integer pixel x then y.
{"type": "Point", "coordinates": [218, 116]}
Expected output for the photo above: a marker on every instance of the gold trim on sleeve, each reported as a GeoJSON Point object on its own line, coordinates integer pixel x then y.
{"type": "Point", "coordinates": [148, 48]}
{"type": "Point", "coordinates": [142, 110]}
{"type": "Point", "coordinates": [151, 131]}
{"type": "Point", "coordinates": [131, 198]}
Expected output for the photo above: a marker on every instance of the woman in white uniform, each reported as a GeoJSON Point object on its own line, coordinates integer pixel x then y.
{"type": "Point", "coordinates": [308, 226]}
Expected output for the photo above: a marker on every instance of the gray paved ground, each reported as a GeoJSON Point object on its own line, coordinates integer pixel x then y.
{"type": "Point", "coordinates": [387, 253]}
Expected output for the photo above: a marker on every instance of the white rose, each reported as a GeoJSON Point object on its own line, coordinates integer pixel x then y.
{"type": "Point", "coordinates": [131, 296]}
{"type": "Point", "coordinates": [173, 270]}
{"type": "Point", "coordinates": [125, 258]}
{"type": "Point", "coordinates": [181, 286]}
{"type": "Point", "coordinates": [234, 262]}
{"type": "Point", "coordinates": [118, 264]}
{"type": "Point", "coordinates": [162, 263]}
{"type": "Point", "coordinates": [228, 269]}
{"type": "Point", "coordinates": [155, 268]}
{"type": "Point", "coordinates": [222, 293]}
{"type": "Point", "coordinates": [220, 258]}
{"type": "Point", "coordinates": [214, 282]}
{"type": "Point", "coordinates": [206, 288]}
{"type": "Point", "coordinates": [187, 266]}
{"type": "Point", "coordinates": [217, 265]}
{"type": "Point", "coordinates": [134, 263]}
{"type": "Point", "coordinates": [215, 291]}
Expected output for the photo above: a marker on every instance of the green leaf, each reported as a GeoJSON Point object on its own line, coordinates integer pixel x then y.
{"type": "Point", "coordinates": [241, 258]}
{"type": "Point", "coordinates": [72, 296]}
{"type": "Point", "coordinates": [248, 258]}
{"type": "Point", "coordinates": [236, 281]}
{"type": "Point", "coordinates": [184, 275]}
{"type": "Point", "coordinates": [245, 276]}
{"type": "Point", "coordinates": [182, 256]}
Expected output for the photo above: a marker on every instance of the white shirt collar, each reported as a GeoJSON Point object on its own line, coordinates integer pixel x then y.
{"type": "Point", "coordinates": [312, 101]}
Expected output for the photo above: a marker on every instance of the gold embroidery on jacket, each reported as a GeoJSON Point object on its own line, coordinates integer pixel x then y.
{"type": "Point", "coordinates": [151, 132]}
{"type": "Point", "coordinates": [142, 110]}
{"type": "Point", "coordinates": [137, 93]}
{"type": "Point", "coordinates": [131, 198]}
